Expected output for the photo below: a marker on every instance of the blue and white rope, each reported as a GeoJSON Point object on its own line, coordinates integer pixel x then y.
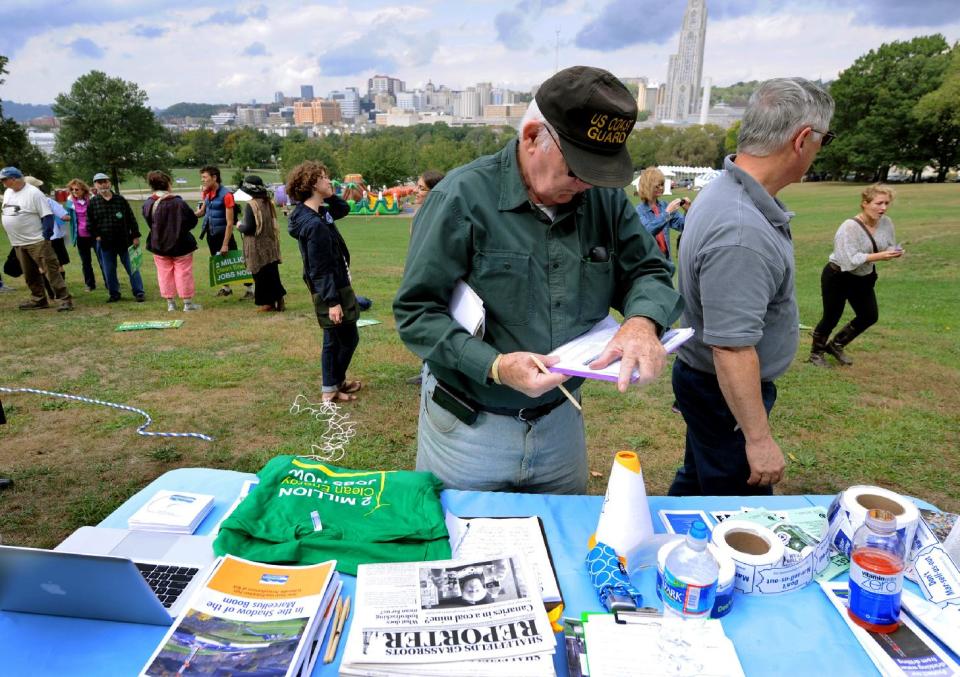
{"type": "Point", "coordinates": [141, 429]}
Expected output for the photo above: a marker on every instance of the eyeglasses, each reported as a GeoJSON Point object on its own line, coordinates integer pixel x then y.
{"type": "Point", "coordinates": [557, 143]}
{"type": "Point", "coordinates": [826, 138]}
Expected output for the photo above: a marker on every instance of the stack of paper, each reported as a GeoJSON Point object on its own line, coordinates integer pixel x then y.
{"type": "Point", "coordinates": [449, 617]}
{"type": "Point", "coordinates": [177, 512]}
{"type": "Point", "coordinates": [577, 355]}
{"type": "Point", "coordinates": [251, 618]}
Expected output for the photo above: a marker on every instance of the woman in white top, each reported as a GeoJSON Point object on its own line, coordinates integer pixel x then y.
{"type": "Point", "coordinates": [850, 275]}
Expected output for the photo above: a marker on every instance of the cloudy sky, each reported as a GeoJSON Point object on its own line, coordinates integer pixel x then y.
{"type": "Point", "coordinates": [218, 52]}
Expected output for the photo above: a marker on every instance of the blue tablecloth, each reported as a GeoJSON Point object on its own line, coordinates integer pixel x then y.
{"type": "Point", "coordinates": [798, 633]}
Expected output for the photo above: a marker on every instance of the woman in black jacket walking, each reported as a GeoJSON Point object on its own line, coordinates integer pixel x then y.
{"type": "Point", "coordinates": [326, 272]}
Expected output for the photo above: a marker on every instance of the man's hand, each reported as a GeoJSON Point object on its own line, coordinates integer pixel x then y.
{"type": "Point", "coordinates": [520, 372]}
{"type": "Point", "coordinates": [336, 314]}
{"type": "Point", "coordinates": [136, 242]}
{"type": "Point", "coordinates": [766, 462]}
{"type": "Point", "coordinates": [223, 250]}
{"type": "Point", "coordinates": [637, 347]}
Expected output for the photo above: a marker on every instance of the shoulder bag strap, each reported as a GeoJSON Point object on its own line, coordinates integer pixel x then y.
{"type": "Point", "coordinates": [867, 231]}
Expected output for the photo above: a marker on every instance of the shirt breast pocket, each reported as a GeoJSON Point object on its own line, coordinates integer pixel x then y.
{"type": "Point", "coordinates": [596, 290]}
{"type": "Point", "coordinates": [502, 279]}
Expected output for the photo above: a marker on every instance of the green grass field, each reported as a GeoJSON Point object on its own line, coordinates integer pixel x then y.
{"type": "Point", "coordinates": [892, 419]}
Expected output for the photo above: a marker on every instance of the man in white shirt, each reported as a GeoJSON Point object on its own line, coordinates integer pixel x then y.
{"type": "Point", "coordinates": [29, 224]}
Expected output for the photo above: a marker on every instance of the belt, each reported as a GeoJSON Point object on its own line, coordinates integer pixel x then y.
{"type": "Point", "coordinates": [834, 267]}
{"type": "Point", "coordinates": [525, 414]}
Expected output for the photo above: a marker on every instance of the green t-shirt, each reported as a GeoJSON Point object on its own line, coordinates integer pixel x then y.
{"type": "Point", "coordinates": [306, 511]}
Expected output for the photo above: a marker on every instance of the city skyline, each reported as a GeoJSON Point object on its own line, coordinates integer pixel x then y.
{"type": "Point", "coordinates": [209, 52]}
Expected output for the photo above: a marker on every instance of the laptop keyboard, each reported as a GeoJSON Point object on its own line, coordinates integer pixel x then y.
{"type": "Point", "coordinates": [166, 580]}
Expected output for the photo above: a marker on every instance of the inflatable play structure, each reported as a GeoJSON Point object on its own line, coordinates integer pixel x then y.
{"type": "Point", "coordinates": [364, 202]}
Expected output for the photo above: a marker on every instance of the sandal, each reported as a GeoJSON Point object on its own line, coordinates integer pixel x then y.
{"type": "Point", "coordinates": [338, 396]}
{"type": "Point", "coordinates": [350, 386]}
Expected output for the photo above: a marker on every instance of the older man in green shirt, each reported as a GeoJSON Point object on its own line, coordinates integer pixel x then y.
{"type": "Point", "coordinates": [545, 235]}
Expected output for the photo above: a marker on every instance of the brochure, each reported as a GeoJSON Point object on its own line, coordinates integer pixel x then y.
{"type": "Point", "coordinates": [449, 617]}
{"type": "Point", "coordinates": [908, 651]}
{"type": "Point", "coordinates": [178, 512]}
{"type": "Point", "coordinates": [576, 355]}
{"type": "Point", "coordinates": [248, 618]}
{"type": "Point", "coordinates": [630, 647]}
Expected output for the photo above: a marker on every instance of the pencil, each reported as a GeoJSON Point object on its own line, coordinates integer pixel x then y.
{"type": "Point", "coordinates": [338, 611]}
{"type": "Point", "coordinates": [335, 640]}
{"type": "Point", "coordinates": [566, 392]}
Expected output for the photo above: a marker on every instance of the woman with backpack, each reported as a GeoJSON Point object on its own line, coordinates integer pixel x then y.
{"type": "Point", "coordinates": [170, 220]}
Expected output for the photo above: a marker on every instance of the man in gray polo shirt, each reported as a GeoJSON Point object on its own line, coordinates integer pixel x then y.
{"type": "Point", "coordinates": [736, 275]}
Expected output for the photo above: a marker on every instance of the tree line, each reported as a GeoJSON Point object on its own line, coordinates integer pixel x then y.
{"type": "Point", "coordinates": [896, 105]}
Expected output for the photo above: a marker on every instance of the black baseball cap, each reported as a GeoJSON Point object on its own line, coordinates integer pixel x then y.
{"type": "Point", "coordinates": [593, 113]}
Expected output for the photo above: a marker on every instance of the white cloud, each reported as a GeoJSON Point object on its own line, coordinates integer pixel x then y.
{"type": "Point", "coordinates": [425, 39]}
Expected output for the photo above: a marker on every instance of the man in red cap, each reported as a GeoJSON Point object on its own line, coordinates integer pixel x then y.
{"type": "Point", "coordinates": [543, 232]}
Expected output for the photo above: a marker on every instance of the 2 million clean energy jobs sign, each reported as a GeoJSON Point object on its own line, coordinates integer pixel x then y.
{"type": "Point", "coordinates": [229, 267]}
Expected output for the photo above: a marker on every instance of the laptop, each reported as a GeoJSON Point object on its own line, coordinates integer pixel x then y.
{"type": "Point", "coordinates": [107, 574]}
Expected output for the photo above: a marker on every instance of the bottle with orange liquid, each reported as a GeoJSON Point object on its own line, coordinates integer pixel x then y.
{"type": "Point", "coordinates": [876, 573]}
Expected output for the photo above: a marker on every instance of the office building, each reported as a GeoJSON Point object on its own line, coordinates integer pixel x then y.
{"type": "Point", "coordinates": [250, 117]}
{"type": "Point", "coordinates": [384, 84]}
{"type": "Point", "coordinates": [384, 101]}
{"type": "Point", "coordinates": [504, 113]}
{"type": "Point", "coordinates": [316, 112]}
{"type": "Point", "coordinates": [306, 92]}
{"type": "Point", "coordinates": [349, 100]}
{"type": "Point", "coordinates": [686, 66]}
{"type": "Point", "coordinates": [278, 97]}
{"type": "Point", "coordinates": [467, 104]}
{"type": "Point", "coordinates": [220, 119]}
{"type": "Point", "coordinates": [410, 101]}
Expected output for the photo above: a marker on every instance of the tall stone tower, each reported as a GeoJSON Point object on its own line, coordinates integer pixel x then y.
{"type": "Point", "coordinates": [686, 66]}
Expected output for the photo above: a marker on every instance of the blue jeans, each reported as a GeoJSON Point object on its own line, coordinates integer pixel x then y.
{"type": "Point", "coordinates": [108, 260]}
{"type": "Point", "coordinates": [87, 246]}
{"type": "Point", "coordinates": [339, 343]}
{"type": "Point", "coordinates": [715, 460]}
{"type": "Point", "coordinates": [502, 453]}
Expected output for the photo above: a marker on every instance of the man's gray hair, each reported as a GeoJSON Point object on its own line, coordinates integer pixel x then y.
{"type": "Point", "coordinates": [779, 109]}
{"type": "Point", "coordinates": [533, 114]}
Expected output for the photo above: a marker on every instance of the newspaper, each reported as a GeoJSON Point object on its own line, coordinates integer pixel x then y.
{"type": "Point", "coordinates": [248, 614]}
{"type": "Point", "coordinates": [464, 617]}
{"type": "Point", "coordinates": [484, 537]}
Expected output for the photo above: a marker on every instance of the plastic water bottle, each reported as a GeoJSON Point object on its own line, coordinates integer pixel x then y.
{"type": "Point", "coordinates": [876, 573]}
{"type": "Point", "coordinates": [688, 587]}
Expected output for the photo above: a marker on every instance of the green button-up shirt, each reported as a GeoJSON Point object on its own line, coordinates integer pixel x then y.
{"type": "Point", "coordinates": [539, 285]}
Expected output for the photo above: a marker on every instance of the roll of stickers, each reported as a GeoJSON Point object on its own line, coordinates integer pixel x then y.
{"type": "Point", "coordinates": [723, 602]}
{"type": "Point", "coordinates": [849, 511]}
{"type": "Point", "coordinates": [758, 554]}
{"type": "Point", "coordinates": [625, 518]}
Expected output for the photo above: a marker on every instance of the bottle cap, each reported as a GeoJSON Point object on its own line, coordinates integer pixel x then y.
{"type": "Point", "coordinates": [881, 520]}
{"type": "Point", "coordinates": [698, 530]}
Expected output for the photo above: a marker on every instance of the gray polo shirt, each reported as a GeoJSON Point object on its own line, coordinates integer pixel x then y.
{"type": "Point", "coordinates": [736, 274]}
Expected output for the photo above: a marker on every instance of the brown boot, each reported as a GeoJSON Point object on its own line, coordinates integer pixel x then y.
{"type": "Point", "coordinates": [817, 350]}
{"type": "Point", "coordinates": [840, 340]}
